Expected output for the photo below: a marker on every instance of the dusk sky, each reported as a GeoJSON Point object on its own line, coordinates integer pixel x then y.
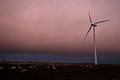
{"type": "Point", "coordinates": [58, 26]}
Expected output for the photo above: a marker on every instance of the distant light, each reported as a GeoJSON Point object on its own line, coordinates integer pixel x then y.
{"type": "Point", "coordinates": [30, 67]}
{"type": "Point", "coordinates": [23, 70]}
{"type": "Point", "coordinates": [87, 65]}
{"type": "Point", "coordinates": [48, 67]}
{"type": "Point", "coordinates": [13, 67]}
{"type": "Point", "coordinates": [91, 66]}
{"type": "Point", "coordinates": [34, 66]}
{"type": "Point", "coordinates": [53, 67]}
{"type": "Point", "coordinates": [19, 67]}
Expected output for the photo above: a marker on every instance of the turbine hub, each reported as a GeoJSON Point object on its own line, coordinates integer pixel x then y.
{"type": "Point", "coordinates": [94, 25]}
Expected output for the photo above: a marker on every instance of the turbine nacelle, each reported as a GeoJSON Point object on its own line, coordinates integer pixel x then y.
{"type": "Point", "coordinates": [94, 25]}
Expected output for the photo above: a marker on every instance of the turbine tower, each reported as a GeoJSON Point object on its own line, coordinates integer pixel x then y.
{"type": "Point", "coordinates": [94, 25]}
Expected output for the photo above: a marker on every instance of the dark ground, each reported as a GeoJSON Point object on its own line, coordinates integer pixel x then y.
{"type": "Point", "coordinates": [57, 71]}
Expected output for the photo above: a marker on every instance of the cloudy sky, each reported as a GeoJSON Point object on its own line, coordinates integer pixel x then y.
{"type": "Point", "coordinates": [58, 26]}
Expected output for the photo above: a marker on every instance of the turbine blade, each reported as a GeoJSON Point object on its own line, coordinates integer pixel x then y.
{"type": "Point", "coordinates": [87, 32]}
{"type": "Point", "coordinates": [101, 21]}
{"type": "Point", "coordinates": [90, 17]}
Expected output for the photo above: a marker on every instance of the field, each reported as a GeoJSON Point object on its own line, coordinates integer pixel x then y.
{"type": "Point", "coordinates": [57, 71]}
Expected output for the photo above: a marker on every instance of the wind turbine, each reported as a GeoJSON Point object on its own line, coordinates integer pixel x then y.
{"type": "Point", "coordinates": [94, 25]}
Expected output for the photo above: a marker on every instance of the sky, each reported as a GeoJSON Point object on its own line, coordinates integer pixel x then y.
{"type": "Point", "coordinates": [58, 26]}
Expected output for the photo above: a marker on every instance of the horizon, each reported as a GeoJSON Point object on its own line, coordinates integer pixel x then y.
{"type": "Point", "coordinates": [60, 58]}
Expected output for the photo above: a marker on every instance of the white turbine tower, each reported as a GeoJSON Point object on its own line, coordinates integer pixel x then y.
{"type": "Point", "coordinates": [94, 25]}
